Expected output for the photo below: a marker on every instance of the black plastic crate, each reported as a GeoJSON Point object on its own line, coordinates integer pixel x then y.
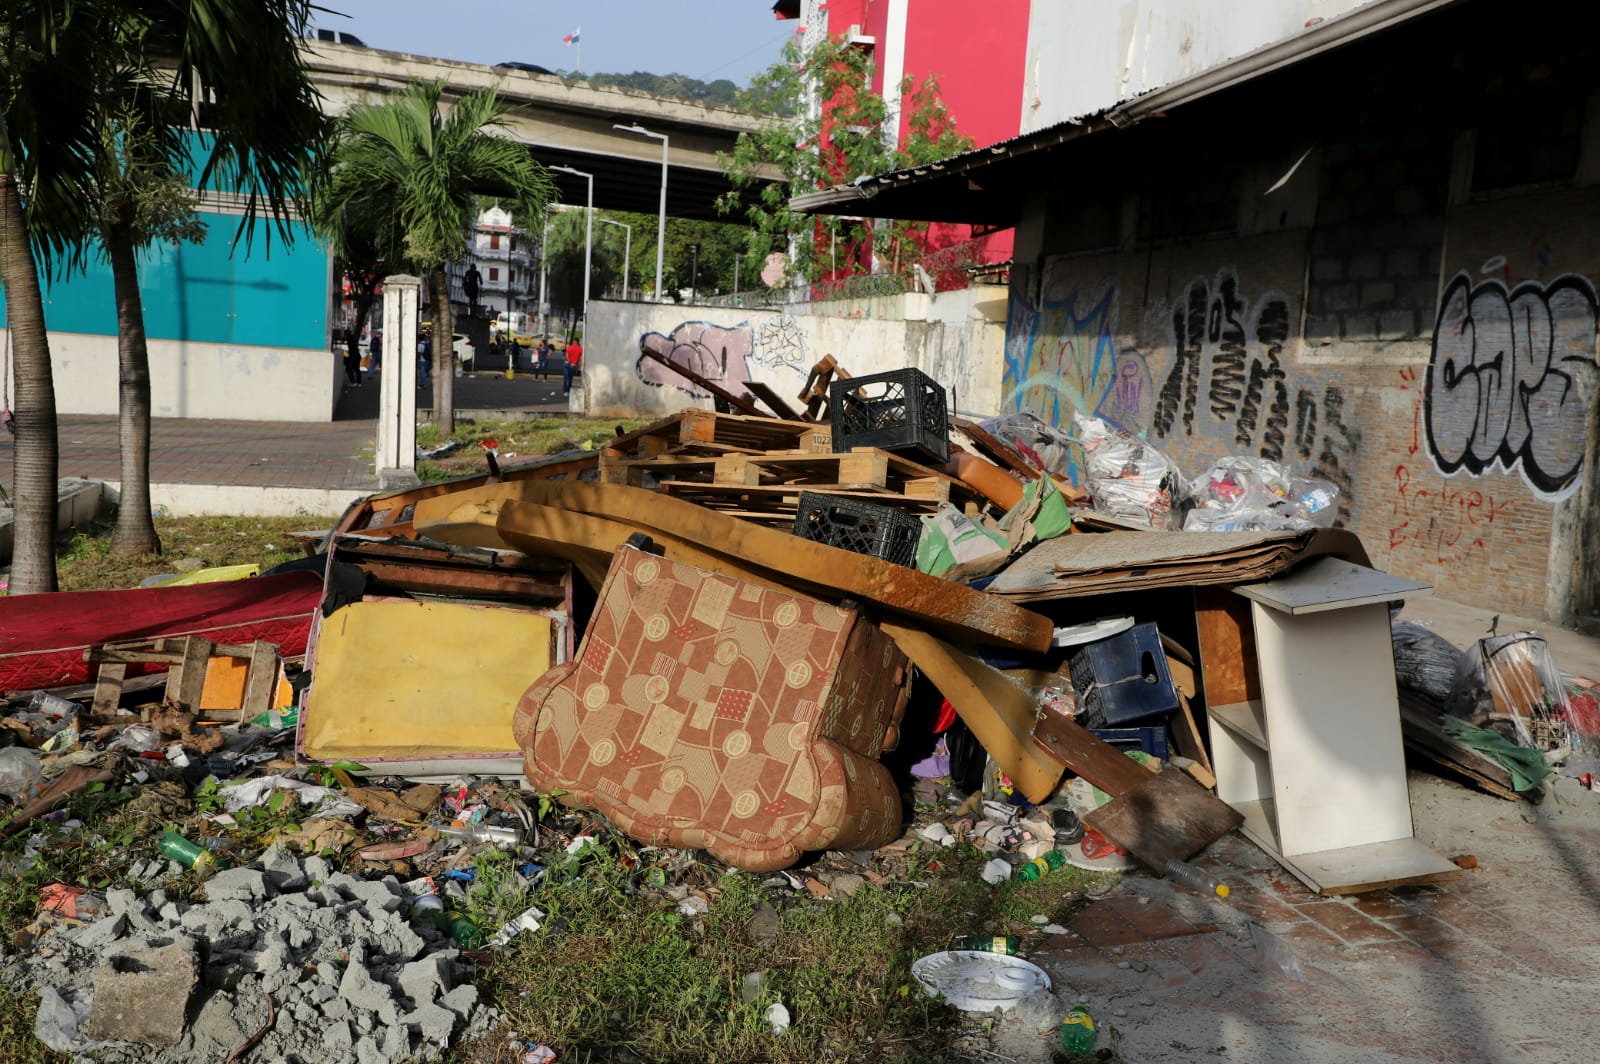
{"type": "Point", "coordinates": [863, 527]}
{"type": "Point", "coordinates": [902, 411]}
{"type": "Point", "coordinates": [1124, 679]}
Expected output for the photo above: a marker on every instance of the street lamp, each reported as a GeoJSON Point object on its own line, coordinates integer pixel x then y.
{"type": "Point", "coordinates": [694, 272]}
{"type": "Point", "coordinates": [544, 271]}
{"type": "Point", "coordinates": [588, 234]}
{"type": "Point", "coordinates": [627, 253]}
{"type": "Point", "coordinates": [661, 224]}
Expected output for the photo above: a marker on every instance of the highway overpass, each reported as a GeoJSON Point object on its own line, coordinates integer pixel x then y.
{"type": "Point", "coordinates": [566, 122]}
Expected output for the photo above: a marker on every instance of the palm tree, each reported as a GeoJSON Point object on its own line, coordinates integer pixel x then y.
{"type": "Point", "coordinates": [412, 173]}
{"type": "Point", "coordinates": [64, 71]}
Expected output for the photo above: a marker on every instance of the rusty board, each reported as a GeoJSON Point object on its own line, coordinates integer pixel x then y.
{"type": "Point", "coordinates": [1097, 761]}
{"type": "Point", "coordinates": [389, 513]}
{"type": "Point", "coordinates": [774, 402]}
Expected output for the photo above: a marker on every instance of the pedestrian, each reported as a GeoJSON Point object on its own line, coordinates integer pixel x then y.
{"type": "Point", "coordinates": [424, 356]}
{"type": "Point", "coordinates": [568, 368]}
{"type": "Point", "coordinates": [376, 349]}
{"type": "Point", "coordinates": [352, 357]}
{"type": "Point", "coordinates": [542, 357]}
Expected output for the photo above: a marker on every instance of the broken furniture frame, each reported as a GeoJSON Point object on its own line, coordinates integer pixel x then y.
{"type": "Point", "coordinates": [1305, 725]}
{"type": "Point", "coordinates": [187, 659]}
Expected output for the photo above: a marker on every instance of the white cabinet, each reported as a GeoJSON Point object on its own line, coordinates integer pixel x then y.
{"type": "Point", "coordinates": [1314, 759]}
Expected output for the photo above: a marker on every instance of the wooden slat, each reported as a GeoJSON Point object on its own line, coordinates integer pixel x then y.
{"type": "Point", "coordinates": [108, 690]}
{"type": "Point", "coordinates": [1077, 748]}
{"type": "Point", "coordinates": [1228, 670]}
{"type": "Point", "coordinates": [993, 449]}
{"type": "Point", "coordinates": [815, 568]}
{"type": "Point", "coordinates": [1000, 713]}
{"type": "Point", "coordinates": [771, 398]}
{"type": "Point", "coordinates": [260, 680]}
{"type": "Point", "coordinates": [1186, 733]}
{"type": "Point", "coordinates": [739, 402]}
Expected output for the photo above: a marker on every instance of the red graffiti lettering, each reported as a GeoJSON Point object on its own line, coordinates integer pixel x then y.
{"type": "Point", "coordinates": [1446, 523]}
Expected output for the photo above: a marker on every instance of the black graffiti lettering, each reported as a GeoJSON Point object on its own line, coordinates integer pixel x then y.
{"type": "Point", "coordinates": [1183, 380]}
{"type": "Point", "coordinates": [1305, 422]}
{"type": "Point", "coordinates": [1338, 442]}
{"type": "Point", "coordinates": [1228, 336]}
{"type": "Point", "coordinates": [1510, 377]}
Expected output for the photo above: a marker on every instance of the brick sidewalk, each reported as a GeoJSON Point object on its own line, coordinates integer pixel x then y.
{"type": "Point", "coordinates": [1492, 967]}
{"type": "Point", "coordinates": [291, 454]}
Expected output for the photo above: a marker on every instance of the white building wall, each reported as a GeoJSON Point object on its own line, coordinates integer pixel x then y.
{"type": "Point", "coordinates": [1087, 55]}
{"type": "Point", "coordinates": [238, 382]}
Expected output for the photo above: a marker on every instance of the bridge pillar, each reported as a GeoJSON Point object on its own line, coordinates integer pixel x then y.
{"type": "Point", "coordinates": [397, 394]}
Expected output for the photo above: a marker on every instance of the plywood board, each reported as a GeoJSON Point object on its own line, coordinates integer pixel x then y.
{"type": "Point", "coordinates": [1330, 584]}
{"type": "Point", "coordinates": [1165, 816]}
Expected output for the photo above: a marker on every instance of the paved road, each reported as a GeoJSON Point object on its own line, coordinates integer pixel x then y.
{"type": "Point", "coordinates": [279, 453]}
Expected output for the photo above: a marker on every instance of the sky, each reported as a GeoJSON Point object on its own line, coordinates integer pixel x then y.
{"type": "Point", "coordinates": [706, 39]}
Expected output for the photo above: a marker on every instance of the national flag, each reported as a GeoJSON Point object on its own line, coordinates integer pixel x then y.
{"type": "Point", "coordinates": [572, 38]}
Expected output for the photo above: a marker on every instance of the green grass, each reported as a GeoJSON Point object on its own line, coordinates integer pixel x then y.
{"type": "Point", "coordinates": [519, 438]}
{"type": "Point", "coordinates": [84, 561]}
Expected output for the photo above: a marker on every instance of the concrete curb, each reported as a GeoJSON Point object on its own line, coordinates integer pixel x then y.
{"type": "Point", "coordinates": [246, 500]}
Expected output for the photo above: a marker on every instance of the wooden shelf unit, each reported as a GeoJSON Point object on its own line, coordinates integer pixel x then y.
{"type": "Point", "coordinates": [1306, 741]}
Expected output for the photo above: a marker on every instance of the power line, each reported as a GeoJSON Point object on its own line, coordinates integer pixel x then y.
{"type": "Point", "coordinates": [776, 40]}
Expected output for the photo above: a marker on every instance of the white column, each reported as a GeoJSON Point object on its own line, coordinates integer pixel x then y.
{"type": "Point", "coordinates": [397, 395]}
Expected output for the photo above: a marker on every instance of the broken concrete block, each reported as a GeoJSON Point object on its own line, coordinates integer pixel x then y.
{"type": "Point", "coordinates": [143, 996]}
{"type": "Point", "coordinates": [100, 934]}
{"type": "Point", "coordinates": [337, 1038]}
{"type": "Point", "coordinates": [361, 991]}
{"type": "Point", "coordinates": [425, 981]}
{"type": "Point", "coordinates": [237, 884]}
{"type": "Point", "coordinates": [283, 869]}
{"type": "Point", "coordinates": [462, 1000]}
{"type": "Point", "coordinates": [434, 1023]}
{"type": "Point", "coordinates": [121, 901]}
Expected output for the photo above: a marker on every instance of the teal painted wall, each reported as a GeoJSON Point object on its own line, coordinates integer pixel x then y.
{"type": "Point", "coordinates": [213, 292]}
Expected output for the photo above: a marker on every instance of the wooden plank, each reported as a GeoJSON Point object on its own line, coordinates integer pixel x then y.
{"type": "Point", "coordinates": [1000, 713]}
{"type": "Point", "coordinates": [739, 402]}
{"type": "Point", "coordinates": [1075, 747]}
{"type": "Point", "coordinates": [959, 611]}
{"type": "Point", "coordinates": [108, 690]}
{"type": "Point", "coordinates": [771, 398]}
{"type": "Point", "coordinates": [993, 449]}
{"type": "Point", "coordinates": [1165, 816]}
{"type": "Point", "coordinates": [1186, 733]}
{"type": "Point", "coordinates": [1419, 724]}
{"type": "Point", "coordinates": [111, 654]}
{"type": "Point", "coordinates": [1228, 670]}
{"type": "Point", "coordinates": [709, 493]}
{"type": "Point", "coordinates": [260, 680]}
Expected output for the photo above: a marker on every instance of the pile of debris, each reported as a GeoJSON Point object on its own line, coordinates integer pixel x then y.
{"type": "Point", "coordinates": [708, 634]}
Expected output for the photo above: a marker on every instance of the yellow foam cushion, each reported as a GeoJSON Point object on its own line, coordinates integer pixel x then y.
{"type": "Point", "coordinates": [408, 679]}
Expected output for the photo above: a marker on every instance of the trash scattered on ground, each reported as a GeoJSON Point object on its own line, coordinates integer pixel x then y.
{"type": "Point", "coordinates": [975, 981]}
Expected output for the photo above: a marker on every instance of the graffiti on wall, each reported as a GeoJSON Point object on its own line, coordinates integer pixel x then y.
{"type": "Point", "coordinates": [719, 353]}
{"type": "Point", "coordinates": [1211, 366]}
{"type": "Point", "coordinates": [1510, 379]}
{"type": "Point", "coordinates": [1062, 359]}
{"type": "Point", "coordinates": [722, 354]}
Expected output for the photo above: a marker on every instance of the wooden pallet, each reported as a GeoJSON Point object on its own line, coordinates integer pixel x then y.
{"type": "Point", "coordinates": [707, 432]}
{"type": "Point", "coordinates": [187, 659]}
{"type": "Point", "coordinates": [776, 504]}
{"type": "Point", "coordinates": [865, 468]}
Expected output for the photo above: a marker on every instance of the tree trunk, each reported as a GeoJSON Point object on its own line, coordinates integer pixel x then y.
{"type": "Point", "coordinates": [135, 534]}
{"type": "Point", "coordinates": [33, 484]}
{"type": "Point", "coordinates": [444, 355]}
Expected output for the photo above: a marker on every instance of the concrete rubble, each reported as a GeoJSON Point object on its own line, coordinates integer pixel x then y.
{"type": "Point", "coordinates": [332, 958]}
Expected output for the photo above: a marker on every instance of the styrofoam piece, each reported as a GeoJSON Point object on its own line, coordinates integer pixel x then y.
{"type": "Point", "coordinates": [1077, 634]}
{"type": "Point", "coordinates": [975, 981]}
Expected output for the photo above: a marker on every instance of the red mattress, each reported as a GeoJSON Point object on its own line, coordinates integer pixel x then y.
{"type": "Point", "coordinates": [43, 637]}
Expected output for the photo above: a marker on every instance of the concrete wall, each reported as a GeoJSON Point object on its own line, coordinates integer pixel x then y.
{"type": "Point", "coordinates": [957, 338]}
{"type": "Point", "coordinates": [204, 380]}
{"type": "Point", "coordinates": [1398, 315]}
{"type": "Point", "coordinates": [1086, 55]}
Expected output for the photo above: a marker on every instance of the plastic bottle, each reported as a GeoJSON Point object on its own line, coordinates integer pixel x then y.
{"type": "Point", "coordinates": [1077, 1030]}
{"type": "Point", "coordinates": [1195, 879]}
{"type": "Point", "coordinates": [502, 836]}
{"type": "Point", "coordinates": [185, 852]}
{"type": "Point", "coordinates": [1040, 867]}
{"type": "Point", "coordinates": [53, 705]}
{"type": "Point", "coordinates": [462, 931]}
{"type": "Point", "coordinates": [989, 944]}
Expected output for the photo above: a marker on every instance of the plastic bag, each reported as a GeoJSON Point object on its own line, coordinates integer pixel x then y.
{"type": "Point", "coordinates": [1243, 493]}
{"type": "Point", "coordinates": [1526, 687]}
{"type": "Point", "coordinates": [19, 774]}
{"type": "Point", "coordinates": [1129, 478]}
{"type": "Point", "coordinates": [951, 538]}
{"type": "Point", "coordinates": [1428, 663]}
{"type": "Point", "coordinates": [1040, 445]}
